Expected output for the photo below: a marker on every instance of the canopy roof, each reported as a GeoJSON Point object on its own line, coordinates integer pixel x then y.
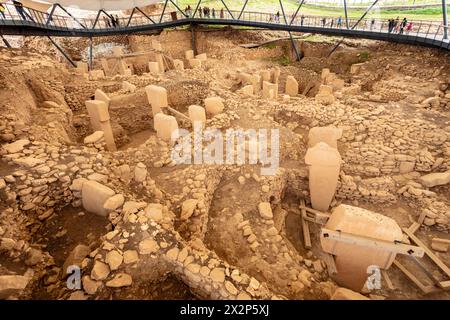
{"type": "Point", "coordinates": [109, 5]}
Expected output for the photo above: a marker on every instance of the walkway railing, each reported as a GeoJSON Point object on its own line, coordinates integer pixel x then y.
{"type": "Point", "coordinates": [419, 32]}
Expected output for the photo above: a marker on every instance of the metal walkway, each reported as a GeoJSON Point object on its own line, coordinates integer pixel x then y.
{"type": "Point", "coordinates": [29, 22]}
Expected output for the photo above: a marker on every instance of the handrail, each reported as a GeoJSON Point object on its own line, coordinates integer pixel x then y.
{"type": "Point", "coordinates": [24, 16]}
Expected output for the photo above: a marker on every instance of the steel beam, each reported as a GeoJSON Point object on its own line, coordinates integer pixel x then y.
{"type": "Point", "coordinates": [196, 8]}
{"type": "Point", "coordinates": [296, 12]}
{"type": "Point", "coordinates": [164, 11]}
{"type": "Point", "coordinates": [178, 8]}
{"type": "Point", "coordinates": [50, 16]}
{"type": "Point", "coordinates": [354, 26]}
{"type": "Point", "coordinates": [145, 15]}
{"type": "Point", "coordinates": [131, 16]}
{"type": "Point", "coordinates": [226, 7]}
{"type": "Point", "coordinates": [62, 52]}
{"type": "Point", "coordinates": [346, 14]}
{"type": "Point", "coordinates": [240, 14]}
{"type": "Point", "coordinates": [290, 35]}
{"type": "Point", "coordinates": [70, 15]}
{"type": "Point", "coordinates": [445, 18]}
{"type": "Point", "coordinates": [6, 42]}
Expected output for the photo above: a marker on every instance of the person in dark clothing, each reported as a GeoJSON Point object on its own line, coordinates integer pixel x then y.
{"type": "Point", "coordinates": [390, 25]}
{"type": "Point", "coordinates": [213, 13]}
{"type": "Point", "coordinates": [302, 20]}
{"type": "Point", "coordinates": [19, 8]}
{"type": "Point", "coordinates": [403, 25]}
{"type": "Point", "coordinates": [324, 22]}
{"type": "Point", "coordinates": [200, 11]}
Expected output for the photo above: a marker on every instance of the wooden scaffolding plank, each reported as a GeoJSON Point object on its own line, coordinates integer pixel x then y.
{"type": "Point", "coordinates": [425, 289]}
{"type": "Point", "coordinates": [331, 264]}
{"type": "Point", "coordinates": [387, 279]}
{"type": "Point", "coordinates": [305, 228]}
{"type": "Point", "coordinates": [428, 252]}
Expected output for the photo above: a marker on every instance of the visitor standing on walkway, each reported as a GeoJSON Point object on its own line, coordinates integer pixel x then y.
{"type": "Point", "coordinates": [213, 13]}
{"type": "Point", "coordinates": [339, 22]}
{"type": "Point", "coordinates": [403, 25]}
{"type": "Point", "coordinates": [302, 20]}
{"type": "Point", "coordinates": [409, 27]}
{"type": "Point", "coordinates": [372, 24]}
{"type": "Point", "coordinates": [277, 17]}
{"type": "Point", "coordinates": [324, 22]}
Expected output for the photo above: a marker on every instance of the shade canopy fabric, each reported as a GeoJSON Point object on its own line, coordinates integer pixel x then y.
{"type": "Point", "coordinates": [109, 5]}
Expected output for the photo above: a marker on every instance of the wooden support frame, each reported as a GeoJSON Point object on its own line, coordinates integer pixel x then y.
{"type": "Point", "coordinates": [425, 289]}
{"type": "Point", "coordinates": [314, 216]}
{"type": "Point", "coordinates": [331, 264]}
{"type": "Point", "coordinates": [305, 227]}
{"type": "Point", "coordinates": [393, 247]}
{"type": "Point", "coordinates": [444, 268]}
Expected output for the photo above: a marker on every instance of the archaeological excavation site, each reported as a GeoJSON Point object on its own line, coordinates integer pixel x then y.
{"type": "Point", "coordinates": [216, 150]}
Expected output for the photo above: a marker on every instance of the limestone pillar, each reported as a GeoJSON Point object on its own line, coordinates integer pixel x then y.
{"type": "Point", "coordinates": [276, 74]}
{"type": "Point", "coordinates": [255, 80]}
{"type": "Point", "coordinates": [100, 121]}
{"type": "Point", "coordinates": [352, 260]}
{"type": "Point", "coordinates": [178, 64]}
{"type": "Point", "coordinates": [157, 97]}
{"type": "Point", "coordinates": [247, 90]}
{"type": "Point", "coordinates": [324, 165]}
{"type": "Point", "coordinates": [165, 126]}
{"type": "Point", "coordinates": [100, 95]}
{"type": "Point", "coordinates": [291, 86]}
{"type": "Point", "coordinates": [265, 75]}
{"type": "Point", "coordinates": [153, 67]}
{"type": "Point", "coordinates": [197, 114]}
{"type": "Point", "coordinates": [324, 89]}
{"type": "Point", "coordinates": [195, 63]}
{"type": "Point", "coordinates": [329, 135]}
{"type": "Point", "coordinates": [160, 60]}
{"type": "Point", "coordinates": [201, 57]}
{"type": "Point", "coordinates": [214, 105]}
{"type": "Point", "coordinates": [270, 90]}
{"type": "Point", "coordinates": [189, 54]}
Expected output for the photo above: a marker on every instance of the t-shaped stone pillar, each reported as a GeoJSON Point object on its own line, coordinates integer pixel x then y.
{"type": "Point", "coordinates": [153, 67]}
{"type": "Point", "coordinates": [352, 260]}
{"type": "Point", "coordinates": [197, 114]}
{"type": "Point", "coordinates": [291, 86]}
{"type": "Point", "coordinates": [165, 126]}
{"type": "Point", "coordinates": [100, 121]}
{"type": "Point", "coordinates": [214, 105]}
{"type": "Point", "coordinates": [324, 165]}
{"type": "Point", "coordinates": [101, 96]}
{"type": "Point", "coordinates": [270, 90]}
{"type": "Point", "coordinates": [329, 135]}
{"type": "Point", "coordinates": [157, 97]}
